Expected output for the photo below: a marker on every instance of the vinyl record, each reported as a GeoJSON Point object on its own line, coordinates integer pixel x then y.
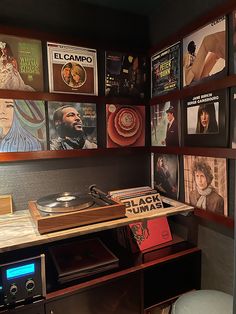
{"type": "Point", "coordinates": [64, 202]}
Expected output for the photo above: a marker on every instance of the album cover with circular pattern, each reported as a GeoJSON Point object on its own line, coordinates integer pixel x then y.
{"type": "Point", "coordinates": [125, 125]}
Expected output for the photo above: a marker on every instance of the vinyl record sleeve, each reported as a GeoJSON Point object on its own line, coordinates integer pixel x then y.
{"type": "Point", "coordinates": [72, 69]}
{"type": "Point", "coordinates": [165, 174]}
{"type": "Point", "coordinates": [125, 125]}
{"type": "Point", "coordinates": [125, 74]}
{"type": "Point", "coordinates": [205, 183]}
{"type": "Point", "coordinates": [22, 125]}
{"type": "Point", "coordinates": [164, 131]}
{"type": "Point", "coordinates": [205, 119]}
{"type": "Point", "coordinates": [21, 64]}
{"type": "Point", "coordinates": [165, 70]}
{"type": "Point", "coordinates": [205, 53]}
{"type": "Point", "coordinates": [88, 117]}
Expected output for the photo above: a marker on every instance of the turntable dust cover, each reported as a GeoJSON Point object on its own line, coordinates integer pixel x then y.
{"type": "Point", "coordinates": [72, 69]}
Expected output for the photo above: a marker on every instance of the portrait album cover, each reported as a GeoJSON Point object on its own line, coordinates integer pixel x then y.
{"type": "Point", "coordinates": [204, 53]}
{"type": "Point", "coordinates": [72, 69]}
{"type": "Point", "coordinates": [165, 174]}
{"type": "Point", "coordinates": [22, 125]}
{"type": "Point", "coordinates": [205, 183]}
{"type": "Point", "coordinates": [165, 124]}
{"type": "Point", "coordinates": [205, 119]}
{"type": "Point", "coordinates": [21, 64]}
{"type": "Point", "coordinates": [125, 74]}
{"type": "Point", "coordinates": [125, 125]}
{"type": "Point", "coordinates": [72, 125]}
{"type": "Point", "coordinates": [165, 70]}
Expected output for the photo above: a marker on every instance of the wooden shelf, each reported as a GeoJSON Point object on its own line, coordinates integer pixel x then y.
{"type": "Point", "coordinates": [207, 215]}
{"type": "Point", "coordinates": [196, 151]}
{"type": "Point", "coordinates": [59, 154]}
{"type": "Point", "coordinates": [201, 88]}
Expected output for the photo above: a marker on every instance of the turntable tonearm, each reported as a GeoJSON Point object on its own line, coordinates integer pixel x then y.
{"type": "Point", "coordinates": [69, 209]}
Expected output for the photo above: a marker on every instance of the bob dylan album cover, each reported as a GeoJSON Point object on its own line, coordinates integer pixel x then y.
{"type": "Point", "coordinates": [165, 70]}
{"type": "Point", "coordinates": [22, 125]}
{"type": "Point", "coordinates": [125, 125]}
{"type": "Point", "coordinates": [125, 75]}
{"type": "Point", "coordinates": [21, 64]}
{"type": "Point", "coordinates": [204, 53]}
{"type": "Point", "coordinates": [72, 69]}
{"type": "Point", "coordinates": [205, 183]}
{"type": "Point", "coordinates": [166, 175]}
{"type": "Point", "coordinates": [164, 124]}
{"type": "Point", "coordinates": [206, 119]}
{"type": "Point", "coordinates": [72, 125]}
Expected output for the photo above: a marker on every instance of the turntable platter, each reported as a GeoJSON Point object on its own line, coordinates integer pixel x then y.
{"type": "Point", "coordinates": [64, 203]}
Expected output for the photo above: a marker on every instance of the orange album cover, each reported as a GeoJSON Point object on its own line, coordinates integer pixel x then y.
{"type": "Point", "coordinates": [125, 125]}
{"type": "Point", "coordinates": [149, 233]}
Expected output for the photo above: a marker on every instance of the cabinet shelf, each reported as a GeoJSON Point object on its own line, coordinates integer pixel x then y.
{"type": "Point", "coordinates": [197, 151]}
{"type": "Point", "coordinates": [211, 85]}
{"type": "Point", "coordinates": [59, 154]}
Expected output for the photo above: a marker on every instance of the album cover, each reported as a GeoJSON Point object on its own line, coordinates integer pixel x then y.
{"type": "Point", "coordinates": [72, 125]}
{"type": "Point", "coordinates": [125, 74]}
{"type": "Point", "coordinates": [72, 69]}
{"type": "Point", "coordinates": [204, 53]}
{"type": "Point", "coordinates": [21, 64]}
{"type": "Point", "coordinates": [165, 70]}
{"type": "Point", "coordinates": [22, 125]}
{"type": "Point", "coordinates": [205, 119]}
{"type": "Point", "coordinates": [165, 124]}
{"type": "Point", "coordinates": [125, 125]}
{"type": "Point", "coordinates": [233, 116]}
{"type": "Point", "coordinates": [149, 233]}
{"type": "Point", "coordinates": [205, 183]}
{"type": "Point", "coordinates": [165, 174]}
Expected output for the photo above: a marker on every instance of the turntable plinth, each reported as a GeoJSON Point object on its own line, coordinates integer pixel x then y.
{"type": "Point", "coordinates": [46, 224]}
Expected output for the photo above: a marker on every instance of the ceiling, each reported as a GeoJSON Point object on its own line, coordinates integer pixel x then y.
{"type": "Point", "coordinates": [144, 7]}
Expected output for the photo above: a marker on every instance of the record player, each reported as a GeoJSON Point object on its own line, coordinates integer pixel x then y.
{"type": "Point", "coordinates": [68, 210]}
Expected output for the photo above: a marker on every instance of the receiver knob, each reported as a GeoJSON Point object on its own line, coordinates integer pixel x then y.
{"type": "Point", "coordinates": [13, 289]}
{"type": "Point", "coordinates": [29, 285]}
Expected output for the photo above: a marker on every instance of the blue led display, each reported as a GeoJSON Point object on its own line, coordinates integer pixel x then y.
{"type": "Point", "coordinates": [20, 271]}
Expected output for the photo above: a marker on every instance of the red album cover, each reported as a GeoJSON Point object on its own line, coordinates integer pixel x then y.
{"type": "Point", "coordinates": [149, 233]}
{"type": "Point", "coordinates": [125, 125]}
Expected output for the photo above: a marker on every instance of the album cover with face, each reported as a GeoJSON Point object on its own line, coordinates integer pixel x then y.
{"type": "Point", "coordinates": [165, 122]}
{"type": "Point", "coordinates": [205, 183]}
{"type": "Point", "coordinates": [125, 125]}
{"type": "Point", "coordinates": [165, 174]}
{"type": "Point", "coordinates": [21, 64]}
{"type": "Point", "coordinates": [22, 125]}
{"type": "Point", "coordinates": [205, 53]}
{"type": "Point", "coordinates": [72, 125]}
{"type": "Point", "coordinates": [125, 74]}
{"type": "Point", "coordinates": [72, 69]}
{"type": "Point", "coordinates": [165, 70]}
{"type": "Point", "coordinates": [205, 119]}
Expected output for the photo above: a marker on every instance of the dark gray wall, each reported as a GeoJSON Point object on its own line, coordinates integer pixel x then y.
{"type": "Point", "coordinates": [32, 180]}
{"type": "Point", "coordinates": [171, 16]}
